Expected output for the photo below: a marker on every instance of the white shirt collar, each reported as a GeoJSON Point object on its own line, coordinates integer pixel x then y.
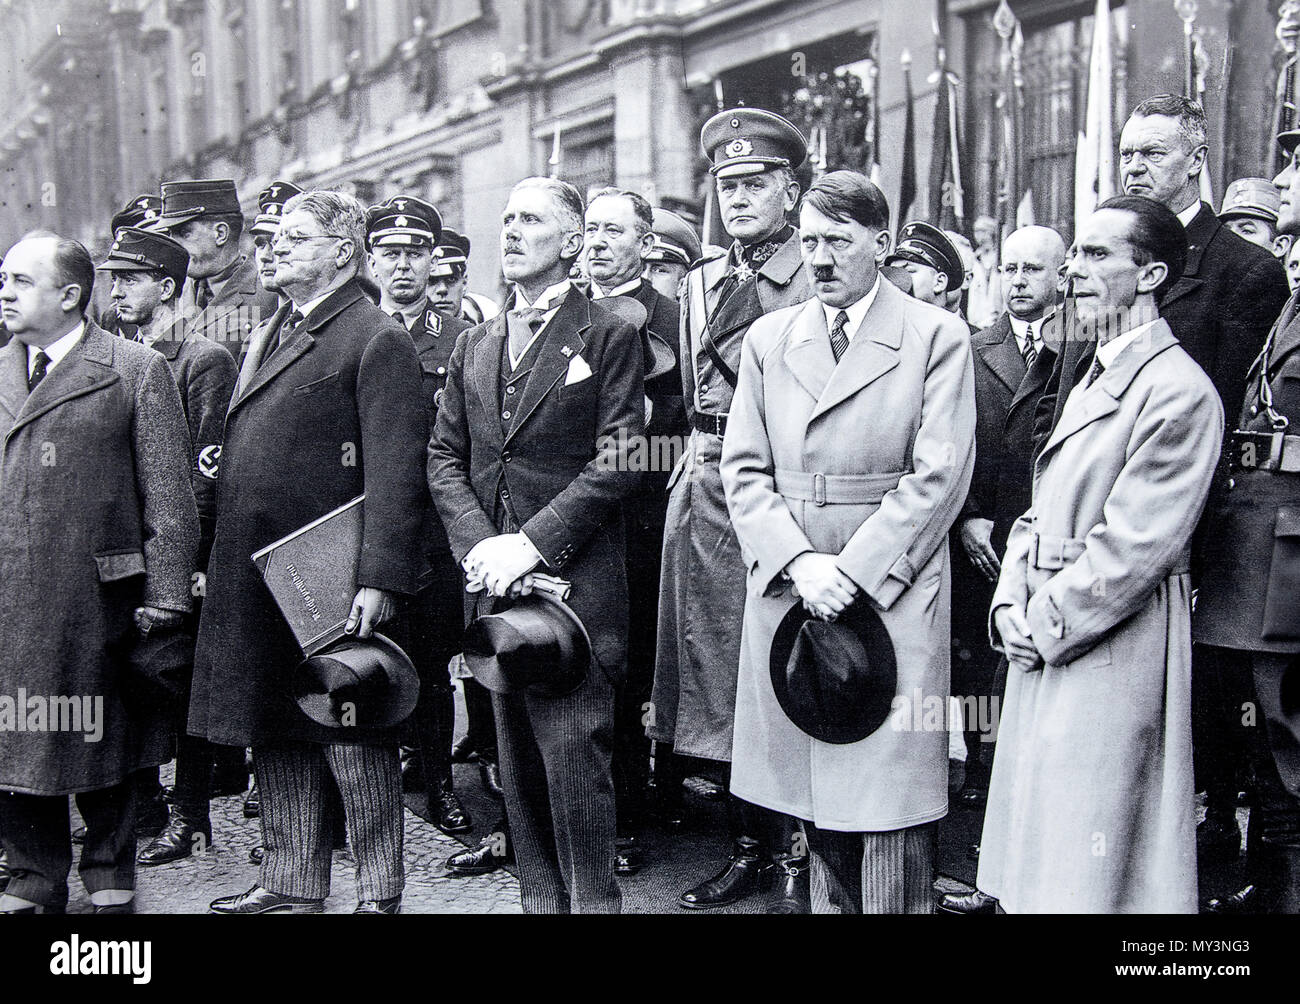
{"type": "Point", "coordinates": [56, 350]}
{"type": "Point", "coordinates": [856, 311]}
{"type": "Point", "coordinates": [306, 308]}
{"type": "Point", "coordinates": [622, 289]}
{"type": "Point", "coordinates": [550, 299]}
{"type": "Point", "coordinates": [1189, 214]}
{"type": "Point", "coordinates": [1023, 329]}
{"type": "Point", "coordinates": [409, 312]}
{"type": "Point", "coordinates": [1110, 351]}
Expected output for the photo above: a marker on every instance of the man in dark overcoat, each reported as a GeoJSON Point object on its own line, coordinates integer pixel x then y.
{"type": "Point", "coordinates": [327, 408]}
{"type": "Point", "coordinates": [98, 534]}
{"type": "Point", "coordinates": [525, 469]}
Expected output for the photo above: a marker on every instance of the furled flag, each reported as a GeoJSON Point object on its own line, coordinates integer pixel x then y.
{"type": "Point", "coordinates": [1094, 164]}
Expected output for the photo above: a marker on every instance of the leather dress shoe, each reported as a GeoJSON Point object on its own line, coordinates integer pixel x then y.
{"type": "Point", "coordinates": [179, 839]}
{"type": "Point", "coordinates": [749, 870]}
{"type": "Point", "coordinates": [709, 789]}
{"type": "Point", "coordinates": [491, 775]}
{"type": "Point", "coordinates": [391, 905]}
{"type": "Point", "coordinates": [256, 855]}
{"type": "Point", "coordinates": [1218, 839]}
{"type": "Point", "coordinates": [253, 803]}
{"type": "Point", "coordinates": [464, 752]}
{"type": "Point", "coordinates": [150, 817]}
{"type": "Point", "coordinates": [127, 907]}
{"type": "Point", "coordinates": [167, 793]}
{"type": "Point", "coordinates": [973, 852]}
{"type": "Point", "coordinates": [792, 893]}
{"type": "Point", "coordinates": [27, 911]}
{"type": "Point", "coordinates": [1241, 902]}
{"type": "Point", "coordinates": [477, 860]}
{"type": "Point", "coordinates": [629, 856]}
{"type": "Point", "coordinates": [259, 900]}
{"type": "Point", "coordinates": [229, 782]}
{"type": "Point", "coordinates": [448, 814]}
{"type": "Point", "coordinates": [968, 903]}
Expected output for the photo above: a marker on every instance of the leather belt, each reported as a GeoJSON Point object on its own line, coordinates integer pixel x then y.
{"type": "Point", "coordinates": [836, 489]}
{"type": "Point", "coordinates": [714, 425]}
{"type": "Point", "coordinates": [1264, 451]}
{"type": "Point", "coordinates": [1050, 553]}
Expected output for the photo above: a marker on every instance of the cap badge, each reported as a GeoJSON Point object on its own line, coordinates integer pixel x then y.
{"type": "Point", "coordinates": [735, 123]}
{"type": "Point", "coordinates": [566, 351]}
{"type": "Point", "coordinates": [275, 191]}
{"type": "Point", "coordinates": [143, 203]}
{"type": "Point", "coordinates": [740, 148]}
{"type": "Point", "coordinates": [400, 221]}
{"type": "Point", "coordinates": [400, 204]}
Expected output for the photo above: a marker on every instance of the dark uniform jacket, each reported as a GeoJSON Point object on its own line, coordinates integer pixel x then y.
{"type": "Point", "coordinates": [239, 306]}
{"type": "Point", "coordinates": [544, 458]}
{"type": "Point", "coordinates": [334, 411]}
{"type": "Point", "coordinates": [1220, 310]}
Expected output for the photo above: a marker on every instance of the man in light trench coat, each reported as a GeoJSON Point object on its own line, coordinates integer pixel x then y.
{"type": "Point", "coordinates": [813, 379]}
{"type": "Point", "coordinates": [1091, 803]}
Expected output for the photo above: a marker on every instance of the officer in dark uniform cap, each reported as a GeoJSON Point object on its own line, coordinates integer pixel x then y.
{"type": "Point", "coordinates": [676, 249]}
{"type": "Point", "coordinates": [1248, 600]}
{"type": "Point", "coordinates": [934, 262]}
{"type": "Point", "coordinates": [754, 155]}
{"type": "Point", "coordinates": [1249, 210]}
{"type": "Point", "coordinates": [447, 278]}
{"type": "Point", "coordinates": [226, 300]}
{"type": "Point", "coordinates": [142, 211]}
{"type": "Point", "coordinates": [148, 274]}
{"type": "Point", "coordinates": [270, 205]}
{"type": "Point", "coordinates": [402, 235]}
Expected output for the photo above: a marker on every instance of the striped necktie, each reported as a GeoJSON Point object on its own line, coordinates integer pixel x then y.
{"type": "Point", "coordinates": [839, 340]}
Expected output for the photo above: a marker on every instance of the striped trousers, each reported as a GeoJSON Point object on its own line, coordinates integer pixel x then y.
{"type": "Point", "coordinates": [296, 829]}
{"type": "Point", "coordinates": [886, 872]}
{"type": "Point", "coordinates": [555, 769]}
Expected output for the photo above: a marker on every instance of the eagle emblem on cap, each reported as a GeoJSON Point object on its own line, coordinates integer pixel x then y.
{"type": "Point", "coordinates": [740, 148]}
{"type": "Point", "coordinates": [275, 191]}
{"type": "Point", "coordinates": [143, 203]}
{"type": "Point", "coordinates": [401, 207]}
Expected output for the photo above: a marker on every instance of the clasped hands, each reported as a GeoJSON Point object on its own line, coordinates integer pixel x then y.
{"type": "Point", "coordinates": [500, 565]}
{"type": "Point", "coordinates": [1017, 638]}
{"type": "Point", "coordinates": [825, 590]}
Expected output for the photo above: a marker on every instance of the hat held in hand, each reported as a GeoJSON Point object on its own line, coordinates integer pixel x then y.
{"type": "Point", "coordinates": [835, 680]}
{"type": "Point", "coordinates": [356, 682]}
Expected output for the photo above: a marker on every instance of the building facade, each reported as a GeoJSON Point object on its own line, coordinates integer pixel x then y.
{"type": "Point", "coordinates": [457, 99]}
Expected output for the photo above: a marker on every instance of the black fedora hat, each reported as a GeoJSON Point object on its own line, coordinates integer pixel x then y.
{"type": "Point", "coordinates": [356, 682]}
{"type": "Point", "coordinates": [835, 680]}
{"type": "Point", "coordinates": [537, 643]}
{"type": "Point", "coordinates": [659, 356]}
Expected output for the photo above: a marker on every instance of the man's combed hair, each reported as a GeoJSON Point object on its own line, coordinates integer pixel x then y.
{"type": "Point", "coordinates": [72, 264]}
{"type": "Point", "coordinates": [645, 214]}
{"type": "Point", "coordinates": [1190, 116]}
{"type": "Point", "coordinates": [567, 199]}
{"type": "Point", "coordinates": [849, 196]}
{"type": "Point", "coordinates": [1156, 235]}
{"type": "Point", "coordinates": [335, 213]}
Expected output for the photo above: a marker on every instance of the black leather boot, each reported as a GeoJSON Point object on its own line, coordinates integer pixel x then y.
{"type": "Point", "coordinates": [181, 837]}
{"type": "Point", "coordinates": [792, 893]}
{"type": "Point", "coordinates": [447, 812]}
{"type": "Point", "coordinates": [749, 870]}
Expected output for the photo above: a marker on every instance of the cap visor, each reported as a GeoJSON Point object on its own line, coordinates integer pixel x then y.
{"type": "Point", "coordinates": [738, 168]}
{"type": "Point", "coordinates": [127, 266]}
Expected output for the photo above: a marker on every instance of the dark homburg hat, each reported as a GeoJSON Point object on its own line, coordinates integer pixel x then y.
{"type": "Point", "coordinates": [675, 240]}
{"type": "Point", "coordinates": [926, 245]}
{"type": "Point", "coordinates": [361, 682]}
{"type": "Point", "coordinates": [453, 249]}
{"type": "Point", "coordinates": [403, 219]}
{"type": "Point", "coordinates": [183, 201]}
{"type": "Point", "coordinates": [136, 250]}
{"type": "Point", "coordinates": [751, 140]}
{"type": "Point", "coordinates": [270, 205]}
{"type": "Point", "coordinates": [537, 644]}
{"type": "Point", "coordinates": [139, 212]}
{"type": "Point", "coordinates": [835, 680]}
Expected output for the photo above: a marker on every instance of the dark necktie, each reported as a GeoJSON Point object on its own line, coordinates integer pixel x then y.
{"type": "Point", "coordinates": [521, 325]}
{"type": "Point", "coordinates": [1029, 352]}
{"type": "Point", "coordinates": [839, 340]}
{"type": "Point", "coordinates": [39, 368]}
{"type": "Point", "coordinates": [292, 321]}
{"type": "Point", "coordinates": [1094, 372]}
{"type": "Point", "coordinates": [202, 294]}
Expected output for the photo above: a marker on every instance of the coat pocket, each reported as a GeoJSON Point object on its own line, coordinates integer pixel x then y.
{"type": "Point", "coordinates": [124, 565]}
{"type": "Point", "coordinates": [315, 385]}
{"type": "Point", "coordinates": [1282, 597]}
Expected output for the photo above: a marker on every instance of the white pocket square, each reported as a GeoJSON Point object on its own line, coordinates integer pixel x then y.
{"type": "Point", "coordinates": [578, 371]}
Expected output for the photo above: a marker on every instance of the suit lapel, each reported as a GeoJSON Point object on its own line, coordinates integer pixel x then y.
{"type": "Point", "coordinates": [486, 364]}
{"type": "Point", "coordinates": [1203, 228]}
{"type": "Point", "coordinates": [562, 340]}
{"type": "Point", "coordinates": [13, 379]}
{"type": "Point", "coordinates": [86, 368]}
{"type": "Point", "coordinates": [872, 352]}
{"type": "Point", "coordinates": [1002, 355]}
{"type": "Point", "coordinates": [257, 349]}
{"type": "Point", "coordinates": [808, 353]}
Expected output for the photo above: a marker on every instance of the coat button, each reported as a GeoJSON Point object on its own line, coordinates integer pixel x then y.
{"type": "Point", "coordinates": [1232, 482]}
{"type": "Point", "coordinates": [1254, 409]}
{"type": "Point", "coordinates": [704, 388]}
{"type": "Point", "coordinates": [505, 455]}
{"type": "Point", "coordinates": [505, 414]}
{"type": "Point", "coordinates": [510, 389]}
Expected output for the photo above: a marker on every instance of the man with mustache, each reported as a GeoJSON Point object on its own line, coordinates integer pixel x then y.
{"type": "Point", "coordinates": [754, 154]}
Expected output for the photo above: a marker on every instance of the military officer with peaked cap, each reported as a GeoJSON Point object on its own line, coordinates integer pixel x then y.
{"type": "Point", "coordinates": [1248, 601]}
{"type": "Point", "coordinates": [932, 259]}
{"type": "Point", "coordinates": [1249, 210]}
{"type": "Point", "coordinates": [141, 265]}
{"type": "Point", "coordinates": [403, 234]}
{"type": "Point", "coordinates": [676, 249]}
{"type": "Point", "coordinates": [141, 211]}
{"type": "Point", "coordinates": [270, 205]}
{"type": "Point", "coordinates": [225, 300]}
{"type": "Point", "coordinates": [753, 156]}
